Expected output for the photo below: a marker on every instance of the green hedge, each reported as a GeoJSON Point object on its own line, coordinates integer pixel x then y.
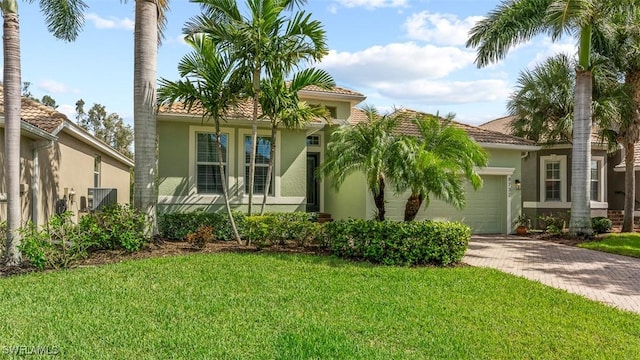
{"type": "Point", "coordinates": [176, 226]}
{"type": "Point", "coordinates": [398, 243]}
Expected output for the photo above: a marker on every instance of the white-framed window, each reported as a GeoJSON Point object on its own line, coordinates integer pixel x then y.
{"type": "Point", "coordinates": [204, 172]}
{"type": "Point", "coordinates": [313, 140]}
{"type": "Point", "coordinates": [263, 154]}
{"type": "Point", "coordinates": [597, 178]}
{"type": "Point", "coordinates": [208, 176]}
{"type": "Point", "coordinates": [97, 165]}
{"type": "Point", "coordinates": [553, 178]}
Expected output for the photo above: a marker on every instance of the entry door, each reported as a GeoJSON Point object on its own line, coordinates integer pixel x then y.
{"type": "Point", "coordinates": [313, 185]}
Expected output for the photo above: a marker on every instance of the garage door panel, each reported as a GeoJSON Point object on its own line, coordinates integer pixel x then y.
{"type": "Point", "coordinates": [485, 211]}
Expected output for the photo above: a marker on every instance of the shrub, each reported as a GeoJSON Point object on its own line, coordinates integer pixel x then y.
{"type": "Point", "coordinates": [399, 243]}
{"type": "Point", "coordinates": [601, 225]}
{"type": "Point", "coordinates": [176, 226]}
{"type": "Point", "coordinates": [116, 227]}
{"type": "Point", "coordinates": [553, 223]}
{"type": "Point", "coordinates": [55, 244]}
{"type": "Point", "coordinates": [3, 231]}
{"type": "Point", "coordinates": [200, 238]}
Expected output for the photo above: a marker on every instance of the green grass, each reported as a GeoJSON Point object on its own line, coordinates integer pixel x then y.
{"type": "Point", "coordinates": [268, 306]}
{"type": "Point", "coordinates": [623, 244]}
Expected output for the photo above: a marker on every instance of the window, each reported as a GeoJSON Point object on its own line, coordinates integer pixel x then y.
{"type": "Point", "coordinates": [208, 179]}
{"type": "Point", "coordinates": [313, 140]}
{"type": "Point", "coordinates": [597, 175]}
{"type": "Point", "coordinates": [552, 181]}
{"type": "Point", "coordinates": [97, 162]}
{"type": "Point", "coordinates": [263, 153]}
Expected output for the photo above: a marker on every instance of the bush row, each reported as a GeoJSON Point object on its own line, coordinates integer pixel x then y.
{"type": "Point", "coordinates": [61, 241]}
{"type": "Point", "coordinates": [398, 243]}
{"type": "Point", "coordinates": [261, 230]}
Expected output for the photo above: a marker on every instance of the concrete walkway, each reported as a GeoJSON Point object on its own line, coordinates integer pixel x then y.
{"type": "Point", "coordinates": [608, 278]}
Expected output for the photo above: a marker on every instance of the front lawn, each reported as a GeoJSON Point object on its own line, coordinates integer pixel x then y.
{"type": "Point", "coordinates": [623, 244]}
{"type": "Point", "coordinates": [278, 306]}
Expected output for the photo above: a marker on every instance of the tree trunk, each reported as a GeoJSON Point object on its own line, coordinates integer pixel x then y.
{"type": "Point", "coordinates": [378, 199]}
{"type": "Point", "coordinates": [580, 223]}
{"type": "Point", "coordinates": [12, 109]}
{"type": "Point", "coordinates": [413, 206]}
{"type": "Point", "coordinates": [225, 188]}
{"type": "Point", "coordinates": [254, 134]}
{"type": "Point", "coordinates": [144, 106]}
{"type": "Point", "coordinates": [272, 154]}
{"type": "Point", "coordinates": [629, 187]}
{"type": "Point", "coordinates": [633, 134]}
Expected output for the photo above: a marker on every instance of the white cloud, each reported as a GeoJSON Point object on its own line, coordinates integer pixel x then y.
{"type": "Point", "coordinates": [111, 22]}
{"type": "Point", "coordinates": [55, 87]}
{"type": "Point", "coordinates": [446, 92]}
{"type": "Point", "coordinates": [444, 29]}
{"type": "Point", "coordinates": [396, 62]}
{"type": "Point", "coordinates": [372, 4]}
{"type": "Point", "coordinates": [69, 110]}
{"type": "Point", "coordinates": [549, 49]}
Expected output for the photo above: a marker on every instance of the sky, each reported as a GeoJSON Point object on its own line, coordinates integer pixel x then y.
{"type": "Point", "coordinates": [398, 53]}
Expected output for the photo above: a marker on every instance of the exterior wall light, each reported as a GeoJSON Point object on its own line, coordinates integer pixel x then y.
{"type": "Point", "coordinates": [518, 185]}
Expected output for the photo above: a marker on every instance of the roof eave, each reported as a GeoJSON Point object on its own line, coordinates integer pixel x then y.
{"type": "Point", "coordinates": [521, 147]}
{"type": "Point", "coordinates": [33, 130]}
{"type": "Point", "coordinates": [310, 94]}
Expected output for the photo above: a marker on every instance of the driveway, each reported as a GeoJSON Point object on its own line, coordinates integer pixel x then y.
{"type": "Point", "coordinates": [608, 278]}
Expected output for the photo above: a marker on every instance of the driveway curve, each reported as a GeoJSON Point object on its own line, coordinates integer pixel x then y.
{"type": "Point", "coordinates": [608, 278]}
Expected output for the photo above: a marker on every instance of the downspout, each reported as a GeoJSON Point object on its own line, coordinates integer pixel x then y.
{"type": "Point", "coordinates": [35, 179]}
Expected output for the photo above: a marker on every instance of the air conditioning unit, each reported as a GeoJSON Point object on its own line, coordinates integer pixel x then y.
{"type": "Point", "coordinates": [100, 197]}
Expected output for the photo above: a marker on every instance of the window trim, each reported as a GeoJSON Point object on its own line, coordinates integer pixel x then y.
{"type": "Point", "coordinates": [601, 181]}
{"type": "Point", "coordinates": [242, 163]}
{"type": "Point", "coordinates": [231, 168]}
{"type": "Point", "coordinates": [563, 177]}
{"type": "Point", "coordinates": [210, 163]}
{"type": "Point", "coordinates": [97, 170]}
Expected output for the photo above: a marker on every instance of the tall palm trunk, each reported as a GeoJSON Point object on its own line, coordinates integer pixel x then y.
{"type": "Point", "coordinates": [144, 107]}
{"type": "Point", "coordinates": [629, 187]}
{"type": "Point", "coordinates": [254, 134]}
{"type": "Point", "coordinates": [272, 154]}
{"type": "Point", "coordinates": [633, 133]}
{"type": "Point", "coordinates": [378, 199]}
{"type": "Point", "coordinates": [580, 223]}
{"type": "Point", "coordinates": [411, 208]}
{"type": "Point", "coordinates": [225, 188]}
{"type": "Point", "coordinates": [12, 109]}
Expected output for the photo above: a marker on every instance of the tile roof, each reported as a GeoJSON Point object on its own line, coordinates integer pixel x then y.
{"type": "Point", "coordinates": [478, 134]}
{"type": "Point", "coordinates": [621, 166]}
{"type": "Point", "coordinates": [244, 109]}
{"type": "Point", "coordinates": [37, 114]}
{"type": "Point", "coordinates": [357, 116]}
{"type": "Point", "coordinates": [503, 125]}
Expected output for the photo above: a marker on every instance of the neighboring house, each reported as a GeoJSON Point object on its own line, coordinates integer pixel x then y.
{"type": "Point", "coordinates": [546, 180]}
{"type": "Point", "coordinates": [187, 169]}
{"type": "Point", "coordinates": [60, 162]}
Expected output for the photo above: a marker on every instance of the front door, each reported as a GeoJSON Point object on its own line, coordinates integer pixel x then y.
{"type": "Point", "coordinates": [313, 185]}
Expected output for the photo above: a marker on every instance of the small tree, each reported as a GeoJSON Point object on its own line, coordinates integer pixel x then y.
{"type": "Point", "coordinates": [435, 163]}
{"type": "Point", "coordinates": [364, 147]}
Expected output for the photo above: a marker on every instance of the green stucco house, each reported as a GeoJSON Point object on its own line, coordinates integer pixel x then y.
{"type": "Point", "coordinates": [188, 172]}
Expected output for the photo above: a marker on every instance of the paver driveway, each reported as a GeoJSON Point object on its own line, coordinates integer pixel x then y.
{"type": "Point", "coordinates": [609, 278]}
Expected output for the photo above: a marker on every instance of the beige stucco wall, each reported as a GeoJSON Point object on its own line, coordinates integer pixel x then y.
{"type": "Point", "coordinates": [67, 163]}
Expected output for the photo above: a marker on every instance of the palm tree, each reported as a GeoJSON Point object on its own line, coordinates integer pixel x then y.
{"type": "Point", "coordinates": [266, 40]}
{"type": "Point", "coordinates": [280, 103]}
{"type": "Point", "coordinates": [435, 163]}
{"type": "Point", "coordinates": [619, 43]}
{"type": "Point", "coordinates": [209, 83]}
{"type": "Point", "coordinates": [517, 21]}
{"type": "Point", "coordinates": [150, 21]}
{"type": "Point", "coordinates": [365, 147]}
{"type": "Point", "coordinates": [64, 20]}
